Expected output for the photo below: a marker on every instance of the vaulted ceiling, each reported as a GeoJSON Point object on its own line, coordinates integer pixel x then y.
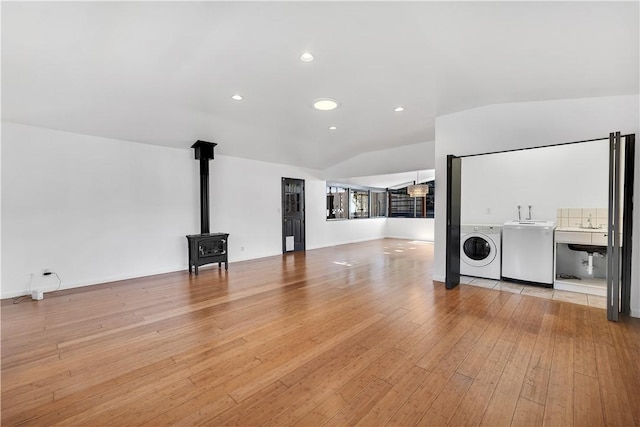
{"type": "Point", "coordinates": [164, 72]}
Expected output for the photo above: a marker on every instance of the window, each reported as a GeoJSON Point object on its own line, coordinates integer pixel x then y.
{"type": "Point", "coordinates": [401, 205]}
{"type": "Point", "coordinates": [431, 199]}
{"type": "Point", "coordinates": [347, 201]}
{"type": "Point", "coordinates": [337, 198]}
{"type": "Point", "coordinates": [359, 207]}
{"type": "Point", "coordinates": [378, 206]}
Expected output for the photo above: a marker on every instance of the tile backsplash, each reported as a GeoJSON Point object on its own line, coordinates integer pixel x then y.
{"type": "Point", "coordinates": [582, 217]}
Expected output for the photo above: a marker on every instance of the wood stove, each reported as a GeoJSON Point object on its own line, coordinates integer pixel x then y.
{"type": "Point", "coordinates": [206, 248]}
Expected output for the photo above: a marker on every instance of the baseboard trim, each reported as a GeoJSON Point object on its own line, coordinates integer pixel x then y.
{"type": "Point", "coordinates": [408, 238]}
{"type": "Point", "coordinates": [330, 245]}
{"type": "Point", "coordinates": [95, 282]}
{"type": "Point", "coordinates": [441, 279]}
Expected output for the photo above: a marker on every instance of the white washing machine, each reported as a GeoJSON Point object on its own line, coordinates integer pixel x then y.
{"type": "Point", "coordinates": [480, 254]}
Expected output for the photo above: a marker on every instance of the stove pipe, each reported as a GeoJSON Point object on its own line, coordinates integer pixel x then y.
{"type": "Point", "coordinates": [204, 153]}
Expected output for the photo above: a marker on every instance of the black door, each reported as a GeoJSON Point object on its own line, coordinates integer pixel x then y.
{"type": "Point", "coordinates": [293, 215]}
{"type": "Point", "coordinates": [627, 224]}
{"type": "Point", "coordinates": [621, 169]}
{"type": "Point", "coordinates": [613, 246]}
{"type": "Point", "coordinates": [454, 179]}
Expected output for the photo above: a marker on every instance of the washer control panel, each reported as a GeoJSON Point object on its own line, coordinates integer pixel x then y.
{"type": "Point", "coordinates": [480, 228]}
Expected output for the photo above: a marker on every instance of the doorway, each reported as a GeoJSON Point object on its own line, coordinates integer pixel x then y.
{"type": "Point", "coordinates": [620, 196]}
{"type": "Point", "coordinates": [293, 215]}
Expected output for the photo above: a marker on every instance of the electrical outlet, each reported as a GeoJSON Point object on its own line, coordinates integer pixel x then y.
{"type": "Point", "coordinates": [488, 211]}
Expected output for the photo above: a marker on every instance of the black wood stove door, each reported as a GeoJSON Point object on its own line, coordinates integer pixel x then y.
{"type": "Point", "coordinates": [293, 234]}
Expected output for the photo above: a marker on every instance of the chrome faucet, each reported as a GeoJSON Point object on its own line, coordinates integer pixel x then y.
{"type": "Point", "coordinates": [519, 215]}
{"type": "Point", "coordinates": [529, 219]}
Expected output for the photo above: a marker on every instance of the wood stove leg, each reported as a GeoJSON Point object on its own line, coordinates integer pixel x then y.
{"type": "Point", "coordinates": [219, 264]}
{"type": "Point", "coordinates": [226, 265]}
{"type": "Point", "coordinates": [190, 258]}
{"type": "Point", "coordinates": [196, 266]}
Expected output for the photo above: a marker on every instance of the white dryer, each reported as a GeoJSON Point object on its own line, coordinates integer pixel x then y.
{"type": "Point", "coordinates": [480, 254]}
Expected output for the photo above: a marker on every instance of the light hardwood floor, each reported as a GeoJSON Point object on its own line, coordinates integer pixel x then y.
{"type": "Point", "coordinates": [355, 334]}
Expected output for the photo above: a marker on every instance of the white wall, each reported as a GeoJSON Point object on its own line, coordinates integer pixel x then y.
{"type": "Point", "coordinates": [531, 124]}
{"type": "Point", "coordinates": [254, 221]}
{"type": "Point", "coordinates": [96, 210]}
{"type": "Point", "coordinates": [246, 203]}
{"type": "Point", "coordinates": [389, 168]}
{"type": "Point", "coordinates": [91, 209]}
{"type": "Point", "coordinates": [546, 178]}
{"type": "Point", "coordinates": [410, 228]}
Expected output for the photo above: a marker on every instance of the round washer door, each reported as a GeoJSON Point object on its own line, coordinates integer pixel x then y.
{"type": "Point", "coordinates": [477, 250]}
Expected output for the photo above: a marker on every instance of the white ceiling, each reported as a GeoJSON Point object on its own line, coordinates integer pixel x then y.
{"type": "Point", "coordinates": [391, 179]}
{"type": "Point", "coordinates": [163, 72]}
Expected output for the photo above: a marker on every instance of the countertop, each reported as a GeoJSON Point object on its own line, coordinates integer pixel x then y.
{"type": "Point", "coordinates": [582, 230]}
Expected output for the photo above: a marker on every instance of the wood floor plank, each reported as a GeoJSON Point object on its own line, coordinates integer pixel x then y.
{"type": "Point", "coordinates": [388, 405]}
{"type": "Point", "coordinates": [444, 407]}
{"type": "Point", "coordinates": [585, 352]}
{"type": "Point", "coordinates": [474, 402]}
{"type": "Point", "coordinates": [299, 392]}
{"type": "Point", "coordinates": [504, 399]}
{"type": "Point", "coordinates": [587, 410]}
{"type": "Point", "coordinates": [291, 363]}
{"type": "Point", "coordinates": [411, 411]}
{"type": "Point", "coordinates": [558, 409]}
{"type": "Point", "coordinates": [461, 338]}
{"type": "Point", "coordinates": [615, 400]}
{"type": "Point", "coordinates": [352, 334]}
{"type": "Point", "coordinates": [252, 410]}
{"type": "Point", "coordinates": [537, 378]}
{"type": "Point", "coordinates": [500, 337]}
{"type": "Point", "coordinates": [332, 371]}
{"type": "Point", "coordinates": [528, 414]}
{"type": "Point", "coordinates": [628, 361]}
{"type": "Point", "coordinates": [478, 355]}
{"type": "Point", "coordinates": [360, 404]}
{"type": "Point", "coordinates": [199, 413]}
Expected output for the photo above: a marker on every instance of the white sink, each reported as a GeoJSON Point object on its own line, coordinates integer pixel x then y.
{"type": "Point", "coordinates": [582, 230]}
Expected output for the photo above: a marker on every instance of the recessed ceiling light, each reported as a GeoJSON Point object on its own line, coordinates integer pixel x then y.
{"type": "Point", "coordinates": [237, 97]}
{"type": "Point", "coordinates": [332, 128]}
{"type": "Point", "coordinates": [325, 104]}
{"type": "Point", "coordinates": [398, 109]}
{"type": "Point", "coordinates": [306, 57]}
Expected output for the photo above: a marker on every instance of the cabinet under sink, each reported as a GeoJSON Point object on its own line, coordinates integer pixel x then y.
{"type": "Point", "coordinates": [577, 252]}
{"type": "Point", "coordinates": [584, 236]}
